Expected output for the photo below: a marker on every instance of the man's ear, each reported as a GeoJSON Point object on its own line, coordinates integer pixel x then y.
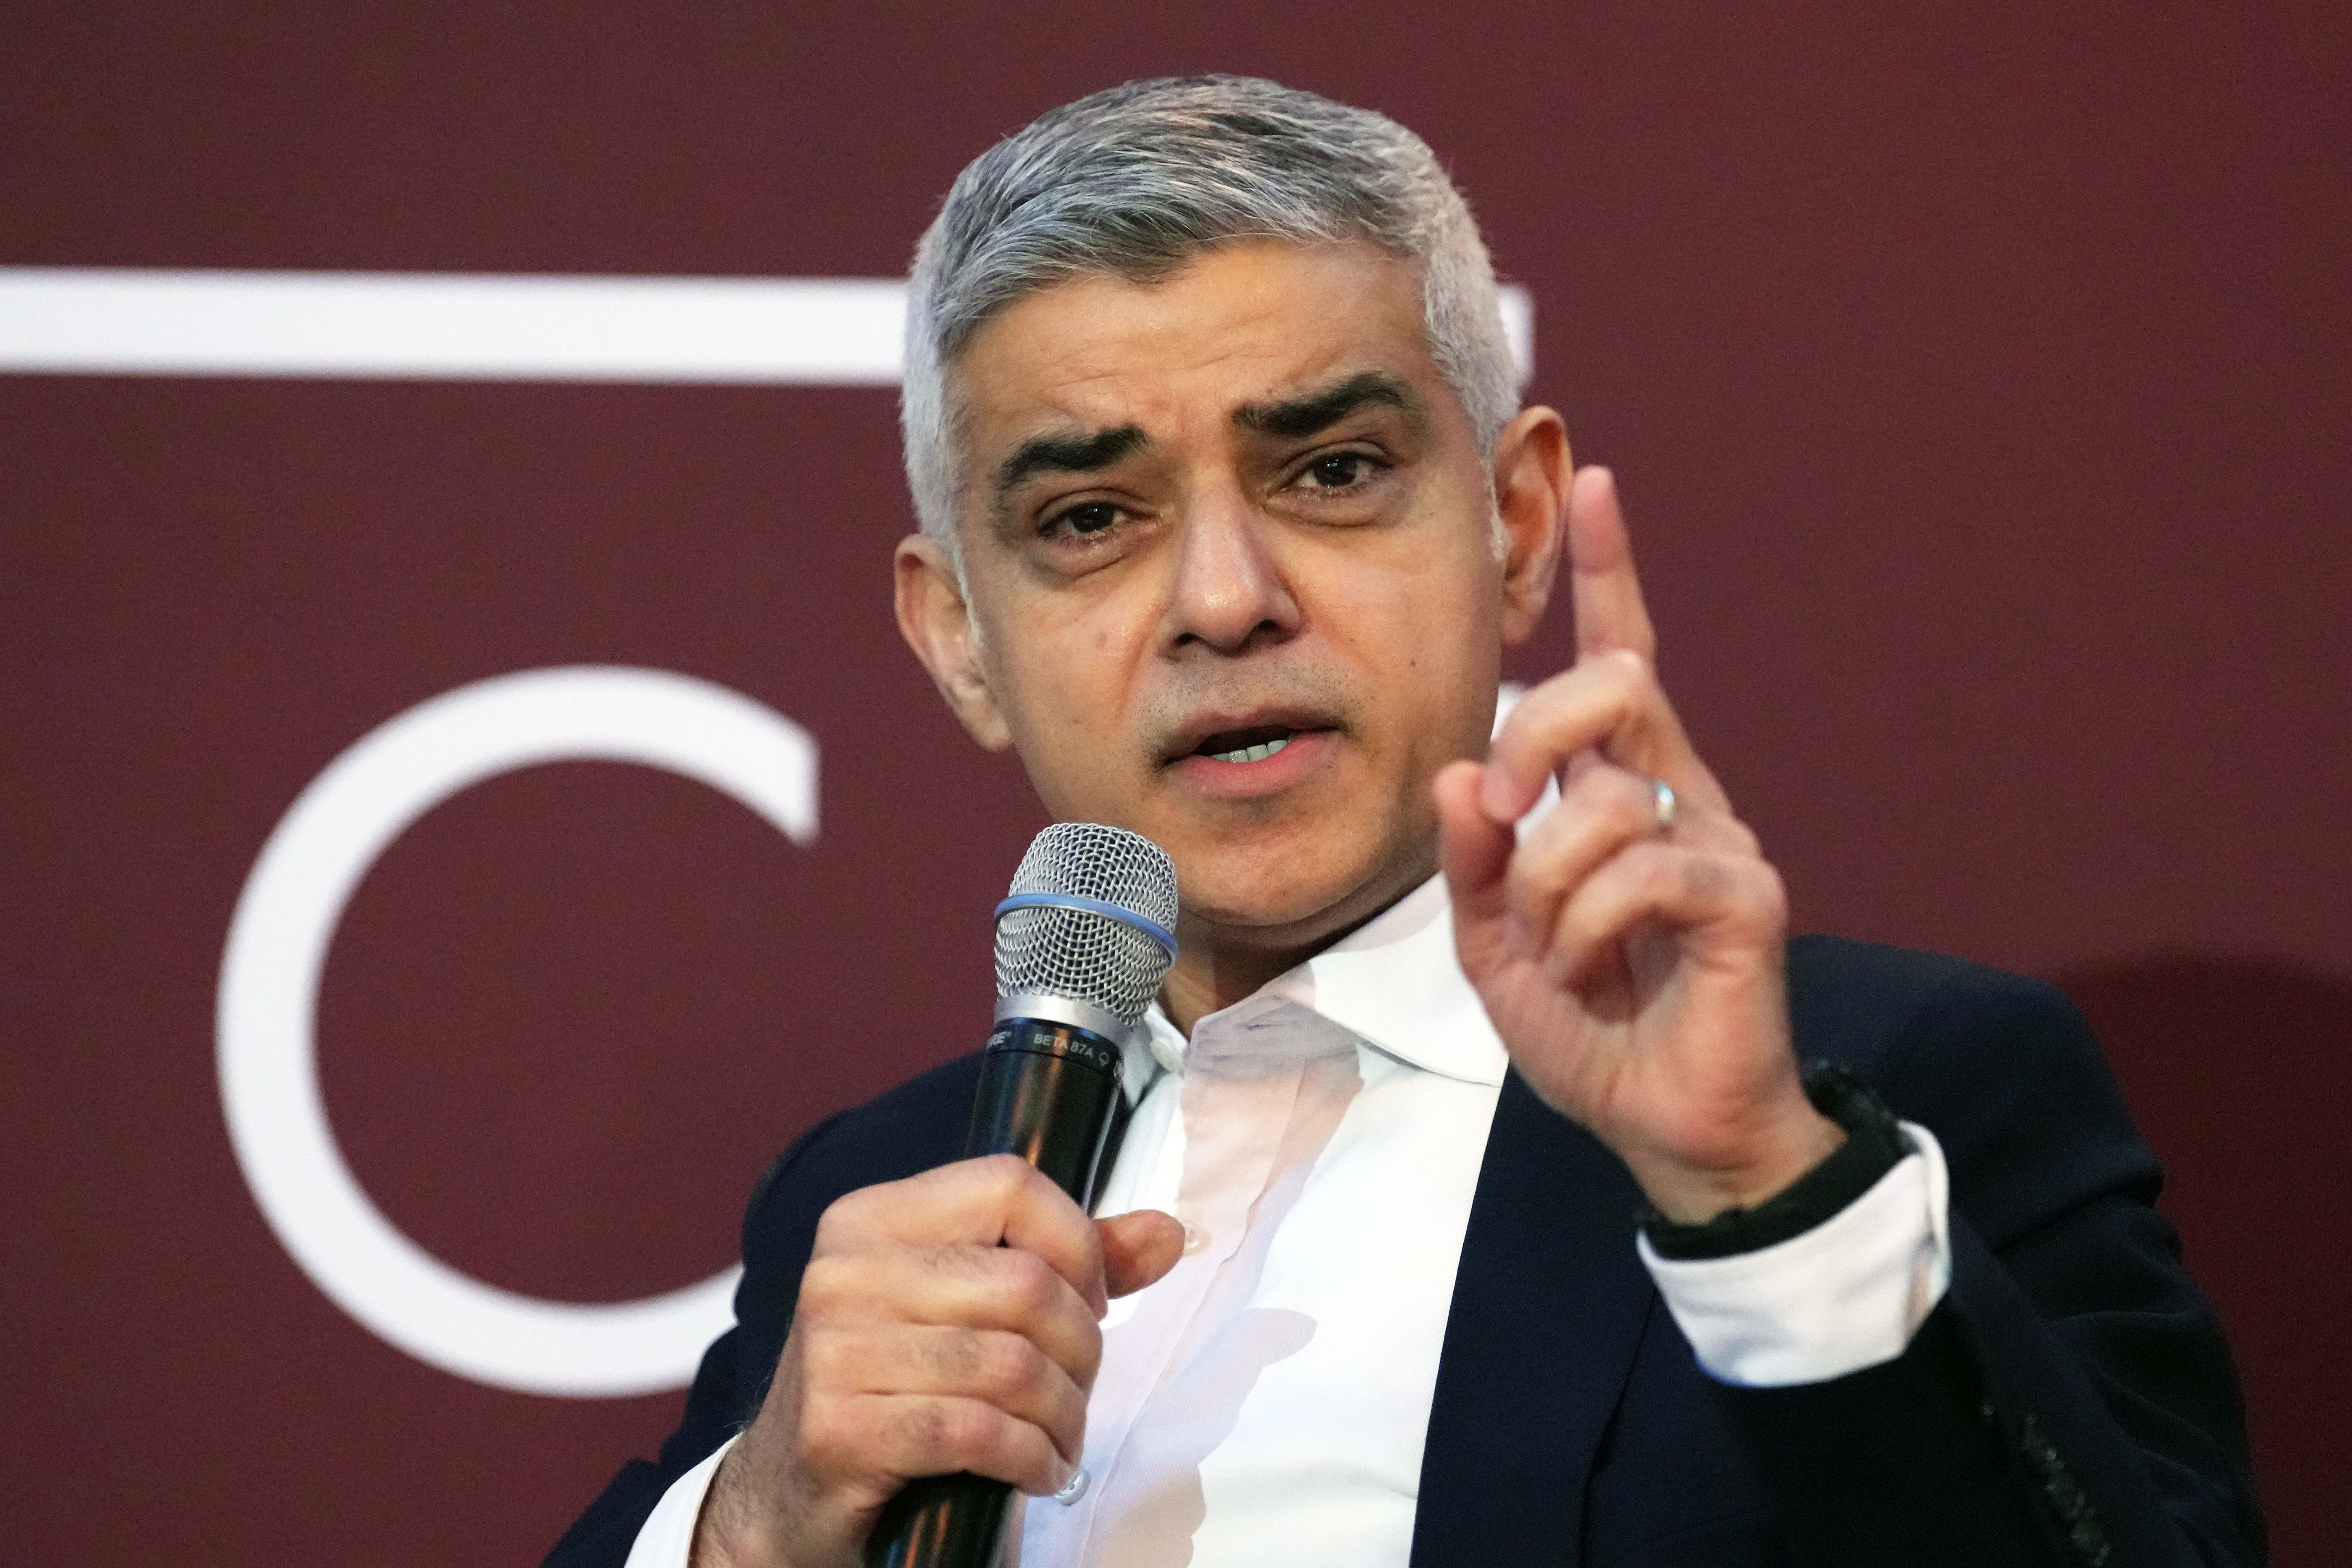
{"type": "Point", "coordinates": [1532, 473]}
{"type": "Point", "coordinates": [937, 624]}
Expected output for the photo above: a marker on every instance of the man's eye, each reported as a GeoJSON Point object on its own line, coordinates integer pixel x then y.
{"type": "Point", "coordinates": [1092, 518]}
{"type": "Point", "coordinates": [1337, 470]}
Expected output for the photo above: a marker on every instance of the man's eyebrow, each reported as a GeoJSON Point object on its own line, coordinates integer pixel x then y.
{"type": "Point", "coordinates": [1068, 454]}
{"type": "Point", "coordinates": [1320, 410]}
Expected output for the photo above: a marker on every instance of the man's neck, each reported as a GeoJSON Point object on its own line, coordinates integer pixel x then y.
{"type": "Point", "coordinates": [1219, 965]}
{"type": "Point", "coordinates": [1198, 987]}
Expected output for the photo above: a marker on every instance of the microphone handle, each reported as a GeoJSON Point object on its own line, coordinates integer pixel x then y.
{"type": "Point", "coordinates": [1047, 1093]}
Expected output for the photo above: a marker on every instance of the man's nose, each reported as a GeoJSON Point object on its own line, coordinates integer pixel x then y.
{"type": "Point", "coordinates": [1230, 587]}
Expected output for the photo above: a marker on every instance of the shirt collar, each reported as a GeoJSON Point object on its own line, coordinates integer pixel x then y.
{"type": "Point", "coordinates": [1394, 984]}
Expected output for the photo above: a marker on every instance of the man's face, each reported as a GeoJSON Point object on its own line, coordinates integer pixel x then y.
{"type": "Point", "coordinates": [1232, 574]}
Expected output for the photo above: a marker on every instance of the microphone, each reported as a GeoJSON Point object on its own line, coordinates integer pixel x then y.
{"type": "Point", "coordinates": [1082, 943]}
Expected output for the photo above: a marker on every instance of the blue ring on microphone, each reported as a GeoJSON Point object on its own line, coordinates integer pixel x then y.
{"type": "Point", "coordinates": [1123, 916]}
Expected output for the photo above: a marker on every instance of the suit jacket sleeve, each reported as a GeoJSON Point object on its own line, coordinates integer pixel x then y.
{"type": "Point", "coordinates": [2072, 1400]}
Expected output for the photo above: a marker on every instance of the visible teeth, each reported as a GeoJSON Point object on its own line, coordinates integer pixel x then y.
{"type": "Point", "coordinates": [1257, 753]}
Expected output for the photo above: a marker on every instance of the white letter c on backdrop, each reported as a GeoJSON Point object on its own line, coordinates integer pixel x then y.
{"type": "Point", "coordinates": [278, 943]}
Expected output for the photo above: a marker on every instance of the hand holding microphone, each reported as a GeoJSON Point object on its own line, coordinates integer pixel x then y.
{"type": "Point", "coordinates": [946, 1331]}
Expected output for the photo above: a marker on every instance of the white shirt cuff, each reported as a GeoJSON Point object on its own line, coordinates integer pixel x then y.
{"type": "Point", "coordinates": [1845, 1295]}
{"type": "Point", "coordinates": [667, 1538]}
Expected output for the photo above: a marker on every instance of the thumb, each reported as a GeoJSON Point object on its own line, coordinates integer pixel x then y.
{"type": "Point", "coordinates": [1139, 1249]}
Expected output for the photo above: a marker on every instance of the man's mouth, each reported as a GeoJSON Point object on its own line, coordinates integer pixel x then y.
{"type": "Point", "coordinates": [1253, 745]}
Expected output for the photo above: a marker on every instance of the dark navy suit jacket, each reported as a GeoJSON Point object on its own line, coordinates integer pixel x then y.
{"type": "Point", "coordinates": [2071, 1402]}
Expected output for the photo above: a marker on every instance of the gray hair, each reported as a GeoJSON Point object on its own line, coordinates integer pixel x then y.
{"type": "Point", "coordinates": [1134, 180]}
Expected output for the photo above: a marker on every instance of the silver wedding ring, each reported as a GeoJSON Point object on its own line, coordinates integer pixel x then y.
{"type": "Point", "coordinates": [1668, 808]}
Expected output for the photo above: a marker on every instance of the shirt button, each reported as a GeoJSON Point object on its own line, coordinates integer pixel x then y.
{"type": "Point", "coordinates": [1074, 1488]}
{"type": "Point", "coordinates": [1195, 1237]}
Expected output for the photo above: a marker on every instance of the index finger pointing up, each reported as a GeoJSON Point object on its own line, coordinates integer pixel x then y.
{"type": "Point", "coordinates": [1607, 596]}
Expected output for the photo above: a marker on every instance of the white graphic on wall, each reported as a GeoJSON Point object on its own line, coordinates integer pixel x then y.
{"type": "Point", "coordinates": [278, 942]}
{"type": "Point", "coordinates": [478, 326]}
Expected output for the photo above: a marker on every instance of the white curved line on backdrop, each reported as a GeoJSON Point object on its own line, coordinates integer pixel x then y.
{"type": "Point", "coordinates": [278, 943]}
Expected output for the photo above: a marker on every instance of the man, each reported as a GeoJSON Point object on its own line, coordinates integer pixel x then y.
{"type": "Point", "coordinates": [1229, 513]}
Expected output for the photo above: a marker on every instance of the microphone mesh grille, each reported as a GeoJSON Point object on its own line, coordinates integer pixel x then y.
{"type": "Point", "coordinates": [1083, 956]}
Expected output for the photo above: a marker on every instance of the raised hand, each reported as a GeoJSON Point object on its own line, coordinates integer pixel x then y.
{"type": "Point", "coordinates": [946, 1322]}
{"type": "Point", "coordinates": [1629, 949]}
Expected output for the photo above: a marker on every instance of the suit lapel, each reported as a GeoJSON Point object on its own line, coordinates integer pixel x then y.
{"type": "Point", "coordinates": [1547, 1309]}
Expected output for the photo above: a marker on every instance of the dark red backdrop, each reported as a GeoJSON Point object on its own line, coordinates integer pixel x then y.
{"type": "Point", "coordinates": [1975, 374]}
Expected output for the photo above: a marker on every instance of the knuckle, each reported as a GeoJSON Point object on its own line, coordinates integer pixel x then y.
{"type": "Point", "coordinates": [1007, 1176]}
{"type": "Point", "coordinates": [951, 1270]}
{"type": "Point", "coordinates": [950, 1353]}
{"type": "Point", "coordinates": [1008, 1366]}
{"type": "Point", "coordinates": [1083, 1366]}
{"type": "Point", "coordinates": [1650, 872]}
{"type": "Point", "coordinates": [1632, 802]}
{"type": "Point", "coordinates": [1595, 791]}
{"type": "Point", "coordinates": [828, 1430]}
{"type": "Point", "coordinates": [1704, 879]}
{"type": "Point", "coordinates": [826, 1284]}
{"type": "Point", "coordinates": [857, 1218]}
{"type": "Point", "coordinates": [967, 1428]}
{"type": "Point", "coordinates": [1630, 672]}
{"type": "Point", "coordinates": [1029, 1284]}
{"type": "Point", "coordinates": [1614, 801]}
{"type": "Point", "coordinates": [826, 1357]}
{"type": "Point", "coordinates": [918, 1430]}
{"type": "Point", "coordinates": [841, 1220]}
{"type": "Point", "coordinates": [964, 1357]}
{"type": "Point", "coordinates": [1640, 877]}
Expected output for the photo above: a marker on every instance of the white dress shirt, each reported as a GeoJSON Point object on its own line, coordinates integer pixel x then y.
{"type": "Point", "coordinates": [1266, 1401]}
